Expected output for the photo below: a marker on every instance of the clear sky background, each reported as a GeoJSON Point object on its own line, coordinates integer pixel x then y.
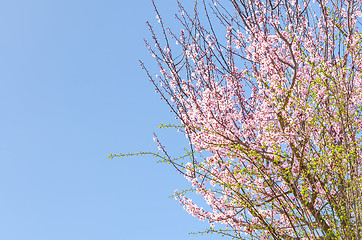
{"type": "Point", "coordinates": [71, 92]}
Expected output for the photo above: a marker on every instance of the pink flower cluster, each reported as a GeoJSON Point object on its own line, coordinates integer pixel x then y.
{"type": "Point", "coordinates": [277, 108]}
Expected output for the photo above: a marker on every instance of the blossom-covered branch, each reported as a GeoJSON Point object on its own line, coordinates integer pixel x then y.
{"type": "Point", "coordinates": [275, 103]}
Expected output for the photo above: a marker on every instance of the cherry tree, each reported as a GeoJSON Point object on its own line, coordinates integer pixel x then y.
{"type": "Point", "coordinates": [268, 94]}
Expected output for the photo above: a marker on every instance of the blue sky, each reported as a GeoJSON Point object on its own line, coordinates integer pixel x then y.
{"type": "Point", "coordinates": [71, 92]}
